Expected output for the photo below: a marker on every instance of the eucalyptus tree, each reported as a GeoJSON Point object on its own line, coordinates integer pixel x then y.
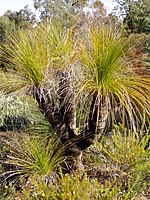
{"type": "Point", "coordinates": [66, 12]}
{"type": "Point", "coordinates": [135, 14]}
{"type": "Point", "coordinates": [11, 21]}
{"type": "Point", "coordinates": [79, 82]}
{"type": "Point", "coordinates": [71, 12]}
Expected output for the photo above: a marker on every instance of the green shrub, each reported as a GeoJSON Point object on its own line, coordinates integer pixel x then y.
{"type": "Point", "coordinates": [13, 113]}
{"type": "Point", "coordinates": [29, 155]}
{"type": "Point", "coordinates": [122, 157]}
{"type": "Point", "coordinates": [117, 168]}
{"type": "Point", "coordinates": [18, 114]}
{"type": "Point", "coordinates": [68, 187]}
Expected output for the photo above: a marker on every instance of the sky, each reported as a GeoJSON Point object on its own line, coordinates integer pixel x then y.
{"type": "Point", "coordinates": [16, 5]}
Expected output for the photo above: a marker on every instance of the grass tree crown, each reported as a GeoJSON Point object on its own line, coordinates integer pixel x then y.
{"type": "Point", "coordinates": [70, 73]}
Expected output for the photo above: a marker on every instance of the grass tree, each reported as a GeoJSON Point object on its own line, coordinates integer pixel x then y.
{"type": "Point", "coordinates": [80, 82]}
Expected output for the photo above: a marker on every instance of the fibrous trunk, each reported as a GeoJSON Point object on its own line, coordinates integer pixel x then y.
{"type": "Point", "coordinates": [63, 119]}
{"type": "Point", "coordinates": [95, 123]}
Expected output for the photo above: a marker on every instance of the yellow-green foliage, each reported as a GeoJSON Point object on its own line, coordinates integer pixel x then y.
{"type": "Point", "coordinates": [68, 188]}
{"type": "Point", "coordinates": [122, 156]}
{"type": "Point", "coordinates": [32, 56]}
{"type": "Point", "coordinates": [31, 155]}
{"type": "Point", "coordinates": [127, 149]}
{"type": "Point", "coordinates": [118, 168]}
{"type": "Point", "coordinates": [107, 71]}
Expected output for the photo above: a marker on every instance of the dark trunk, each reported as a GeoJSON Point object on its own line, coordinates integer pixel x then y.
{"type": "Point", "coordinates": [95, 124]}
{"type": "Point", "coordinates": [67, 105]}
{"type": "Point", "coordinates": [51, 112]}
{"type": "Point", "coordinates": [63, 120]}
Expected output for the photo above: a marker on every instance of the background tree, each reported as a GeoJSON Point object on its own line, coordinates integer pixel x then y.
{"type": "Point", "coordinates": [98, 14]}
{"type": "Point", "coordinates": [98, 10]}
{"type": "Point", "coordinates": [136, 20]}
{"type": "Point", "coordinates": [6, 27]}
{"type": "Point", "coordinates": [135, 14]}
{"type": "Point", "coordinates": [64, 12]}
{"type": "Point", "coordinates": [69, 12]}
{"type": "Point", "coordinates": [10, 22]}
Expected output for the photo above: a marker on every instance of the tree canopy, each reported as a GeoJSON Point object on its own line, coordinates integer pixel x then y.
{"type": "Point", "coordinates": [136, 15]}
{"type": "Point", "coordinates": [10, 22]}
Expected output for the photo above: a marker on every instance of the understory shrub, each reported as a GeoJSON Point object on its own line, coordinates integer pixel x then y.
{"type": "Point", "coordinates": [116, 168]}
{"type": "Point", "coordinates": [18, 114]}
{"type": "Point", "coordinates": [122, 156]}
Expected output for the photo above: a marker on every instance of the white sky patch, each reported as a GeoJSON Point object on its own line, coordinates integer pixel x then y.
{"type": "Point", "coordinates": [16, 5]}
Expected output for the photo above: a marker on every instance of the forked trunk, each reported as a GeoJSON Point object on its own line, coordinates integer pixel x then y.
{"type": "Point", "coordinates": [63, 121]}
{"type": "Point", "coordinates": [95, 126]}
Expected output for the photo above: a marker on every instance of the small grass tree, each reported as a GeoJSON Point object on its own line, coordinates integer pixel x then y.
{"type": "Point", "coordinates": [79, 82]}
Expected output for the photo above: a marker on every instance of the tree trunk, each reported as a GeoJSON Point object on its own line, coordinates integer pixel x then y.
{"type": "Point", "coordinates": [95, 125]}
{"type": "Point", "coordinates": [67, 104]}
{"type": "Point", "coordinates": [96, 122]}
{"type": "Point", "coordinates": [63, 120]}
